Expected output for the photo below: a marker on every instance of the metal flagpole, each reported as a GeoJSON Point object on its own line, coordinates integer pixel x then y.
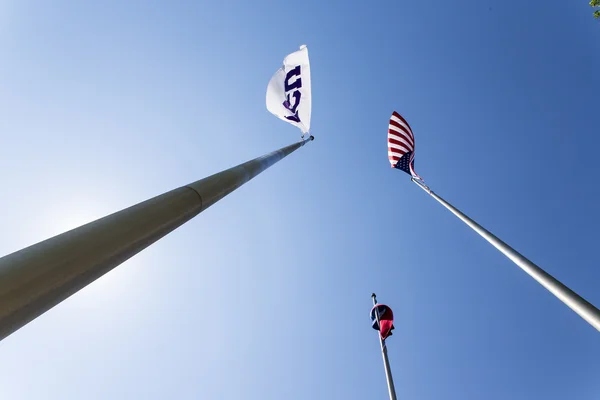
{"type": "Point", "coordinates": [386, 361]}
{"type": "Point", "coordinates": [578, 304]}
{"type": "Point", "coordinates": [36, 278]}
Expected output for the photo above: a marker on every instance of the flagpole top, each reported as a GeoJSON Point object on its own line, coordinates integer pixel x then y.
{"type": "Point", "coordinates": [374, 298]}
{"type": "Point", "coordinates": [312, 137]}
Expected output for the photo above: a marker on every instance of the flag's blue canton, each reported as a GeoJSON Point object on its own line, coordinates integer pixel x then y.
{"type": "Point", "coordinates": [403, 163]}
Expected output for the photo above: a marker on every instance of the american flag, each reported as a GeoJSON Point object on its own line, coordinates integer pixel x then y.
{"type": "Point", "coordinates": [401, 145]}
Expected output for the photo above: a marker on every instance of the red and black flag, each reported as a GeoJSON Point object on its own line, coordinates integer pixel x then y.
{"type": "Point", "coordinates": [386, 320]}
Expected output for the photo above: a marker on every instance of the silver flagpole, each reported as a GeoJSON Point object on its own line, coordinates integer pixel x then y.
{"type": "Point", "coordinates": [577, 303]}
{"type": "Point", "coordinates": [36, 278]}
{"type": "Point", "coordinates": [386, 361]}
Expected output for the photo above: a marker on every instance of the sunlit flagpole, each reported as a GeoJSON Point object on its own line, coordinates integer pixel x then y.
{"type": "Point", "coordinates": [578, 304]}
{"type": "Point", "coordinates": [37, 278]}
{"type": "Point", "coordinates": [386, 361]}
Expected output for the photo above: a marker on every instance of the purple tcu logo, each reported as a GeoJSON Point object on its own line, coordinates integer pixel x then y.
{"type": "Point", "coordinates": [295, 94]}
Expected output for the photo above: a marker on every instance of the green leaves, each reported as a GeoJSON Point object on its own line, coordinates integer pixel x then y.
{"type": "Point", "coordinates": [595, 3]}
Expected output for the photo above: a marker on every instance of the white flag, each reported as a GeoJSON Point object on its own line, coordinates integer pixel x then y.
{"type": "Point", "coordinates": [288, 93]}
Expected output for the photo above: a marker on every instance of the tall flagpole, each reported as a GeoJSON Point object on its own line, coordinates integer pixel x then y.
{"type": "Point", "coordinates": [386, 361]}
{"type": "Point", "coordinates": [577, 303]}
{"type": "Point", "coordinates": [36, 278]}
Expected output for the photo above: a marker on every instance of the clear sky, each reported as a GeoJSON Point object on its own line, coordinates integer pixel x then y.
{"type": "Point", "coordinates": [267, 294]}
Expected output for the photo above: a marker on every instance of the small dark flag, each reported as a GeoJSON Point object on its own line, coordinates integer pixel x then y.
{"type": "Point", "coordinates": [386, 319]}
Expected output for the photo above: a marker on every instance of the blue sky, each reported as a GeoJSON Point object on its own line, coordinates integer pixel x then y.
{"type": "Point", "coordinates": [266, 295]}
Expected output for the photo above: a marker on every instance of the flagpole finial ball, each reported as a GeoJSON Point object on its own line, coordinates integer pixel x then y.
{"type": "Point", "coordinates": [312, 137]}
{"type": "Point", "coordinates": [373, 295]}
